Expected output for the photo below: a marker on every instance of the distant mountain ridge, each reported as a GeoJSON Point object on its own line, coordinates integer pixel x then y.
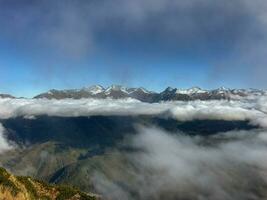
{"type": "Point", "coordinates": [142, 94]}
{"type": "Point", "coordinates": [7, 96]}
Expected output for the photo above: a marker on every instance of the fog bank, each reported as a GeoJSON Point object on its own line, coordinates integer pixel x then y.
{"type": "Point", "coordinates": [253, 110]}
{"type": "Point", "coordinates": [170, 166]}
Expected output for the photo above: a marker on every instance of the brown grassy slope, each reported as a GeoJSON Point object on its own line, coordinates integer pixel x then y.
{"type": "Point", "coordinates": [25, 188]}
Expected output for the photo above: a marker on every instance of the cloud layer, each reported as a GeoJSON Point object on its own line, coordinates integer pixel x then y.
{"type": "Point", "coordinates": [253, 110]}
{"type": "Point", "coordinates": [173, 166]}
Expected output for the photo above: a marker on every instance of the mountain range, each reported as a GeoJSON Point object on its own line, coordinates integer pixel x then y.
{"type": "Point", "coordinates": [142, 94]}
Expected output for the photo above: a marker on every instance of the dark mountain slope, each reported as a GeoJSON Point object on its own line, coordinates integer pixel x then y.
{"type": "Point", "coordinates": [104, 131]}
{"type": "Point", "coordinates": [70, 150]}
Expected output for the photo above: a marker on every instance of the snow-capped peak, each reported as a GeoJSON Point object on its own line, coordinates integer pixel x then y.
{"type": "Point", "coordinates": [139, 89]}
{"type": "Point", "coordinates": [192, 90]}
{"type": "Point", "coordinates": [116, 88]}
{"type": "Point", "coordinates": [169, 89]}
{"type": "Point", "coordinates": [222, 90]}
{"type": "Point", "coordinates": [144, 90]}
{"type": "Point", "coordinates": [94, 89]}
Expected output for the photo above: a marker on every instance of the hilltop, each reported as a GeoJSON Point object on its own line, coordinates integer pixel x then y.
{"type": "Point", "coordinates": [26, 188]}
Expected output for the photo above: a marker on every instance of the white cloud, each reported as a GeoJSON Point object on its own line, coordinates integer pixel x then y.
{"type": "Point", "coordinates": [175, 166]}
{"type": "Point", "coordinates": [4, 144]}
{"type": "Point", "coordinates": [253, 110]}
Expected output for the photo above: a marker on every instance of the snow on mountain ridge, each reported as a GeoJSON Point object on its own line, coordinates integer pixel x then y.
{"type": "Point", "coordinates": [94, 89]}
{"type": "Point", "coordinates": [139, 89]}
{"type": "Point", "coordinates": [142, 94]}
{"type": "Point", "coordinates": [189, 91]}
{"type": "Point", "coordinates": [116, 88]}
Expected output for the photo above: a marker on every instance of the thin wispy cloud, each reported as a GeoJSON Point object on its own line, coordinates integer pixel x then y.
{"type": "Point", "coordinates": [5, 145]}
{"type": "Point", "coordinates": [174, 166]}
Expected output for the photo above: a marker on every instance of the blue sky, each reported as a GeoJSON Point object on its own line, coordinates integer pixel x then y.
{"type": "Point", "coordinates": [154, 44]}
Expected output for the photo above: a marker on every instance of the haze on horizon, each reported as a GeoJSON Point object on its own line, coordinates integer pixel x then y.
{"type": "Point", "coordinates": [48, 44]}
